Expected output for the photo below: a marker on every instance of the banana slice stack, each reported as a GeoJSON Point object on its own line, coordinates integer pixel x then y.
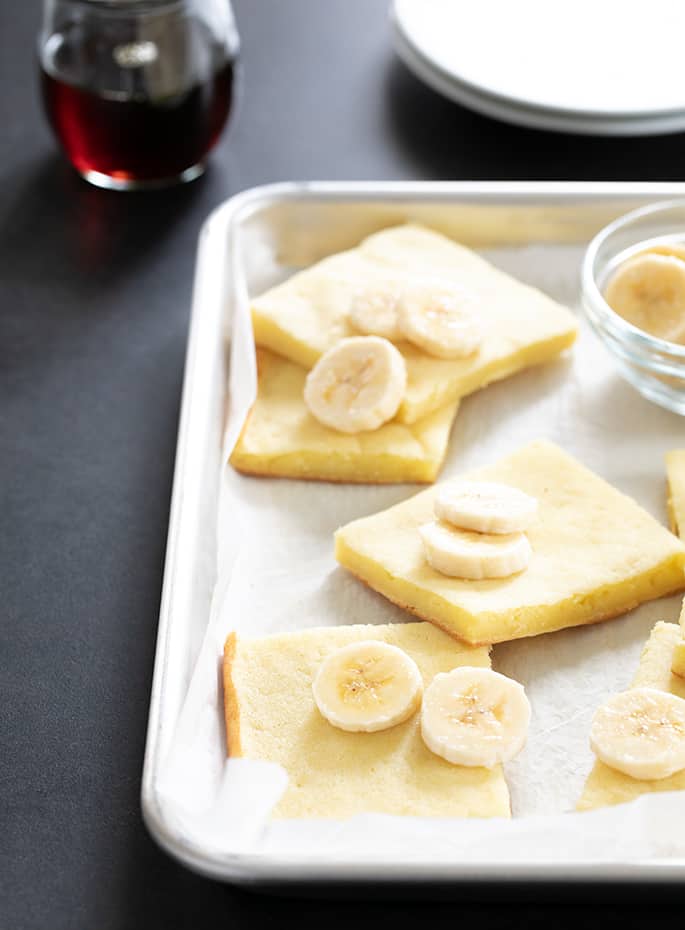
{"type": "Point", "coordinates": [479, 531]}
{"type": "Point", "coordinates": [470, 716]}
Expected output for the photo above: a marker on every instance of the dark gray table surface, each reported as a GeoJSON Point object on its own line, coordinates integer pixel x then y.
{"type": "Point", "coordinates": [94, 303]}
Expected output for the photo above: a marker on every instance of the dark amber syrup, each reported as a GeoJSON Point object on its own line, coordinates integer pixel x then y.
{"type": "Point", "coordinates": [138, 140]}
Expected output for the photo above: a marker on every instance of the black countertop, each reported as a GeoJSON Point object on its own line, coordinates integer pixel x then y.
{"type": "Point", "coordinates": [94, 302]}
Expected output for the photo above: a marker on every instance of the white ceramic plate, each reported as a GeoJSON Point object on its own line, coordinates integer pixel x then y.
{"type": "Point", "coordinates": [610, 69]}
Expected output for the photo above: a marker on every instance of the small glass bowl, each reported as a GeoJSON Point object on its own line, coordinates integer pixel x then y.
{"type": "Point", "coordinates": [652, 365]}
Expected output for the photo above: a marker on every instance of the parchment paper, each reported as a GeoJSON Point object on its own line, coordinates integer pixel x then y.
{"type": "Point", "coordinates": [277, 573]}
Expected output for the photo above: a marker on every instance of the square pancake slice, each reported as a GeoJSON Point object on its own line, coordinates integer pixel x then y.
{"type": "Point", "coordinates": [606, 786]}
{"type": "Point", "coordinates": [282, 439]}
{"type": "Point", "coordinates": [596, 554]}
{"type": "Point", "coordinates": [675, 473]}
{"type": "Point", "coordinates": [308, 314]}
{"type": "Point", "coordinates": [271, 716]}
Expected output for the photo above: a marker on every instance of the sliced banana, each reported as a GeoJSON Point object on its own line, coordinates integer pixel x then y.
{"type": "Point", "coordinates": [641, 733]}
{"type": "Point", "coordinates": [678, 667]}
{"type": "Point", "coordinates": [465, 554]}
{"type": "Point", "coordinates": [357, 385]}
{"type": "Point", "coordinates": [474, 716]}
{"type": "Point", "coordinates": [649, 292]}
{"type": "Point", "coordinates": [367, 686]}
{"type": "Point", "coordinates": [438, 320]}
{"type": "Point", "coordinates": [485, 506]}
{"type": "Point", "coordinates": [678, 660]}
{"type": "Point", "coordinates": [373, 311]}
{"type": "Point", "coordinates": [676, 249]}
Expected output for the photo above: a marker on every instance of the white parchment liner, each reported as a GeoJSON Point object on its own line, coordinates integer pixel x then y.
{"type": "Point", "coordinates": [277, 573]}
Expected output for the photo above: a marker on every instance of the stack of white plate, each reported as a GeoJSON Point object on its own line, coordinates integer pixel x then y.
{"type": "Point", "coordinates": [597, 67]}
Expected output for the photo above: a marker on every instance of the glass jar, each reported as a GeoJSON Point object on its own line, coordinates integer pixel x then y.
{"type": "Point", "coordinates": [137, 91]}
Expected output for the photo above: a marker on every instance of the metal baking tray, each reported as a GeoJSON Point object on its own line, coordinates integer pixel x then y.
{"type": "Point", "coordinates": [300, 223]}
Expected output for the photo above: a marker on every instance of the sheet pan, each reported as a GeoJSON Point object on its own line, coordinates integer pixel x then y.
{"type": "Point", "coordinates": [247, 243]}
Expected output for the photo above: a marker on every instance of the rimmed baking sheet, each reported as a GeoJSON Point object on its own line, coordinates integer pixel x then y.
{"type": "Point", "coordinates": [213, 816]}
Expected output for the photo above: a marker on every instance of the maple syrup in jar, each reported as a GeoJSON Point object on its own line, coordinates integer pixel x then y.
{"type": "Point", "coordinates": [138, 91]}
